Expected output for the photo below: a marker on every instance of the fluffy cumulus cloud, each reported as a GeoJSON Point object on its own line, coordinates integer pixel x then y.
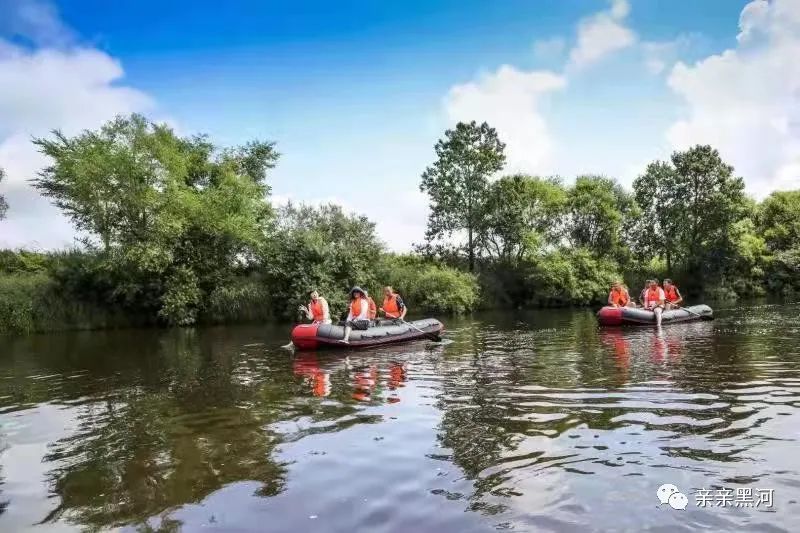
{"type": "Point", "coordinates": [48, 82]}
{"type": "Point", "coordinates": [745, 101]}
{"type": "Point", "coordinates": [509, 100]}
{"type": "Point", "coordinates": [601, 35]}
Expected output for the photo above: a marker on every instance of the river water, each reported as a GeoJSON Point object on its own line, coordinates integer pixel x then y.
{"type": "Point", "coordinates": [533, 422]}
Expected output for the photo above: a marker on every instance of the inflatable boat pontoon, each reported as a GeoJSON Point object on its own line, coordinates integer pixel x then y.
{"type": "Point", "coordinates": [632, 316]}
{"type": "Point", "coordinates": [316, 336]}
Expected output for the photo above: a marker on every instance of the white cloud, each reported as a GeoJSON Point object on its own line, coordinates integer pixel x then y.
{"type": "Point", "coordinates": [509, 100]}
{"type": "Point", "coordinates": [746, 101]}
{"type": "Point", "coordinates": [601, 35]}
{"type": "Point", "coordinates": [34, 21]}
{"type": "Point", "coordinates": [45, 88]}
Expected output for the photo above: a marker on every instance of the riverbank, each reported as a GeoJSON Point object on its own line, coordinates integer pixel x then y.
{"type": "Point", "coordinates": [75, 290]}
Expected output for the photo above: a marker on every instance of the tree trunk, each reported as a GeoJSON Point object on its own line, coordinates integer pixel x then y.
{"type": "Point", "coordinates": [471, 250]}
{"type": "Point", "coordinates": [669, 263]}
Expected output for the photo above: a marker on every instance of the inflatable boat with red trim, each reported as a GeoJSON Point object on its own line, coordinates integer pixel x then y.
{"type": "Point", "coordinates": [317, 336]}
{"type": "Point", "coordinates": [632, 316]}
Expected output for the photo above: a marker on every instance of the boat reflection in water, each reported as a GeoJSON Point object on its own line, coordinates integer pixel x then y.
{"type": "Point", "coordinates": [366, 378]}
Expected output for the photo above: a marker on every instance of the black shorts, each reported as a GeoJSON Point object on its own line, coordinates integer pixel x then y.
{"type": "Point", "coordinates": [358, 324]}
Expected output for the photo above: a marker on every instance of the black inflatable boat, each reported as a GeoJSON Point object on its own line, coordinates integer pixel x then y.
{"type": "Point", "coordinates": [316, 336]}
{"type": "Point", "coordinates": [633, 316]}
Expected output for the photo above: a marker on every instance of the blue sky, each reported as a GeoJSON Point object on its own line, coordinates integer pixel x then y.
{"type": "Point", "coordinates": [356, 93]}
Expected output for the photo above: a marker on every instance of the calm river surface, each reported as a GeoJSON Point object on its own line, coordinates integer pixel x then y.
{"type": "Point", "coordinates": [537, 422]}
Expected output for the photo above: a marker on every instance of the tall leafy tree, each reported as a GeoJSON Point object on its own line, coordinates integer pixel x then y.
{"type": "Point", "coordinates": [779, 220]}
{"type": "Point", "coordinates": [173, 215]}
{"type": "Point", "coordinates": [598, 207]}
{"type": "Point", "coordinates": [457, 183]}
{"type": "Point", "coordinates": [656, 232]}
{"type": "Point", "coordinates": [521, 214]}
{"type": "Point", "coordinates": [696, 201]}
{"type": "Point", "coordinates": [3, 203]}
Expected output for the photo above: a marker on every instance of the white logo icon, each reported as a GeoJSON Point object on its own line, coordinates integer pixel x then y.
{"type": "Point", "coordinates": [670, 494]}
{"type": "Point", "coordinates": [678, 501]}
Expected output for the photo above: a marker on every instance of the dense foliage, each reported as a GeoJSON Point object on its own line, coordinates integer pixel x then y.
{"type": "Point", "coordinates": [179, 231]}
{"type": "Point", "coordinates": [540, 242]}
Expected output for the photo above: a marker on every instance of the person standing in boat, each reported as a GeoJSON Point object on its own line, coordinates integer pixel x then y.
{"type": "Point", "coordinates": [654, 299]}
{"type": "Point", "coordinates": [619, 297]}
{"type": "Point", "coordinates": [358, 314]}
{"type": "Point", "coordinates": [317, 309]}
{"type": "Point", "coordinates": [393, 306]}
{"type": "Point", "coordinates": [672, 294]}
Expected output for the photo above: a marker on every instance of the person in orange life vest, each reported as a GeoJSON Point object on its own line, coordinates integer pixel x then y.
{"type": "Point", "coordinates": [317, 309]}
{"type": "Point", "coordinates": [619, 297]}
{"type": "Point", "coordinates": [372, 314]}
{"type": "Point", "coordinates": [654, 299]}
{"type": "Point", "coordinates": [393, 306]}
{"type": "Point", "coordinates": [672, 295]}
{"type": "Point", "coordinates": [358, 314]}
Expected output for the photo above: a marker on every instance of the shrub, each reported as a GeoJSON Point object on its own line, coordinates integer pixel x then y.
{"type": "Point", "coordinates": [428, 287]}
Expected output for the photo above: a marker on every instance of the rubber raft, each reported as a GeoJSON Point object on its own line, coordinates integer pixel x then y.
{"type": "Point", "coordinates": [316, 336]}
{"type": "Point", "coordinates": [632, 316]}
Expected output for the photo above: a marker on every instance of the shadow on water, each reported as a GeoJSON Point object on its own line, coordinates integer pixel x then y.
{"type": "Point", "coordinates": [537, 421]}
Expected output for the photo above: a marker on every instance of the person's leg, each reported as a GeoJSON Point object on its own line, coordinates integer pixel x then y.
{"type": "Point", "coordinates": [658, 311]}
{"type": "Point", "coordinates": [347, 330]}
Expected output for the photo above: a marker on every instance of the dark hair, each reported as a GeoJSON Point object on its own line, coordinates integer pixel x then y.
{"type": "Point", "coordinates": [667, 280]}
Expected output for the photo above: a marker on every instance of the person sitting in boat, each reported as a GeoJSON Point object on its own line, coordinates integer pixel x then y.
{"type": "Point", "coordinates": [358, 315]}
{"type": "Point", "coordinates": [393, 306]}
{"type": "Point", "coordinates": [672, 294]}
{"type": "Point", "coordinates": [372, 314]}
{"type": "Point", "coordinates": [644, 291]}
{"type": "Point", "coordinates": [654, 299]}
{"type": "Point", "coordinates": [317, 309]}
{"type": "Point", "coordinates": [619, 297]}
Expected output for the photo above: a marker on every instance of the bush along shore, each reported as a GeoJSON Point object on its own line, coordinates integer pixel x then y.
{"type": "Point", "coordinates": [179, 232]}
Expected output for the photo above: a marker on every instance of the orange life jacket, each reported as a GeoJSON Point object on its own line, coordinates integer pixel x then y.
{"type": "Point", "coordinates": [671, 293]}
{"type": "Point", "coordinates": [355, 307]}
{"type": "Point", "coordinates": [390, 307]}
{"type": "Point", "coordinates": [316, 310]}
{"type": "Point", "coordinates": [373, 309]}
{"type": "Point", "coordinates": [619, 297]}
{"type": "Point", "coordinates": [652, 295]}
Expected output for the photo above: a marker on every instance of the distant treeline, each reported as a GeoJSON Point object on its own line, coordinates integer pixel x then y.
{"type": "Point", "coordinates": [179, 231]}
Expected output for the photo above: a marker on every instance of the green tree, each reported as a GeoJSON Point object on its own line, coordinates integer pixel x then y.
{"type": "Point", "coordinates": [520, 215]}
{"type": "Point", "coordinates": [457, 182]}
{"type": "Point", "coordinates": [660, 219]}
{"type": "Point", "coordinates": [779, 220]}
{"type": "Point", "coordinates": [3, 203]}
{"type": "Point", "coordinates": [598, 207]}
{"type": "Point", "coordinates": [320, 248]}
{"type": "Point", "coordinates": [690, 208]}
{"type": "Point", "coordinates": [174, 216]}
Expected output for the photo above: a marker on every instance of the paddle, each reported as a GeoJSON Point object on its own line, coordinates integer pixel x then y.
{"type": "Point", "coordinates": [432, 336]}
{"type": "Point", "coordinates": [693, 312]}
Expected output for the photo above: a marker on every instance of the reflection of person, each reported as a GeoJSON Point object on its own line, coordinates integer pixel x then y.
{"type": "Point", "coordinates": [622, 352]}
{"type": "Point", "coordinates": [672, 295]}
{"type": "Point", "coordinates": [397, 378]}
{"type": "Point", "coordinates": [619, 297]}
{"type": "Point", "coordinates": [358, 316]}
{"type": "Point", "coordinates": [306, 365]}
{"type": "Point", "coordinates": [654, 299]}
{"type": "Point", "coordinates": [393, 305]}
{"type": "Point", "coordinates": [317, 309]}
{"type": "Point", "coordinates": [364, 383]}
